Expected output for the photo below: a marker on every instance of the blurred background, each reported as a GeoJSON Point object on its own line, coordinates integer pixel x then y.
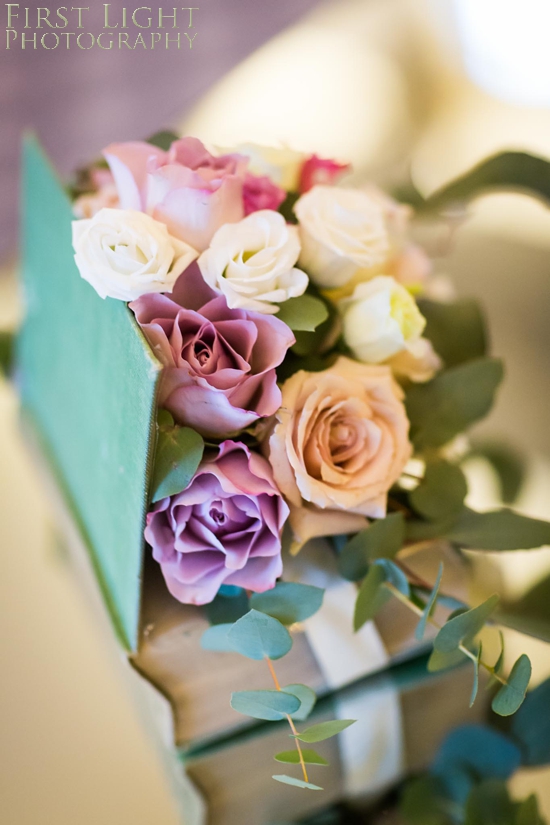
{"type": "Point", "coordinates": [400, 87]}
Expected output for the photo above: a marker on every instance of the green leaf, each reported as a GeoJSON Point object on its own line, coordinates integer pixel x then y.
{"type": "Point", "coordinates": [227, 609]}
{"type": "Point", "coordinates": [441, 493]}
{"type": "Point", "coordinates": [507, 463]}
{"type": "Point", "coordinates": [322, 339]}
{"type": "Point", "coordinates": [531, 613]}
{"type": "Point", "coordinates": [373, 595]}
{"type": "Point", "coordinates": [479, 750]}
{"type": "Point", "coordinates": [307, 698]}
{"type": "Point", "coordinates": [304, 313]}
{"type": "Point", "coordinates": [215, 638]}
{"type": "Point", "coordinates": [531, 726]}
{"type": "Point", "coordinates": [475, 686]}
{"type": "Point", "coordinates": [503, 171]}
{"type": "Point", "coordinates": [163, 140]}
{"type": "Point", "coordinates": [430, 605]}
{"type": "Point", "coordinates": [527, 812]}
{"type": "Point", "coordinates": [6, 352]}
{"type": "Point", "coordinates": [445, 661]}
{"type": "Point", "coordinates": [464, 628]}
{"type": "Point", "coordinates": [382, 539]}
{"type": "Point", "coordinates": [456, 329]}
{"type": "Point", "coordinates": [510, 697]}
{"type": "Point", "coordinates": [499, 664]}
{"type": "Point", "coordinates": [499, 530]}
{"type": "Point", "coordinates": [423, 803]}
{"type": "Point", "coordinates": [289, 602]}
{"type": "Point", "coordinates": [489, 804]}
{"type": "Point", "coordinates": [452, 401]}
{"type": "Point", "coordinates": [324, 730]}
{"type": "Point", "coordinates": [298, 783]}
{"type": "Point", "coordinates": [179, 453]}
{"type": "Point", "coordinates": [271, 705]}
{"type": "Point", "coordinates": [258, 636]}
{"type": "Point", "coordinates": [293, 758]}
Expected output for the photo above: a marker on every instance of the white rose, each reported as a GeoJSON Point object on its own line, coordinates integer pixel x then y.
{"type": "Point", "coordinates": [252, 262]}
{"type": "Point", "coordinates": [343, 233]}
{"type": "Point", "coordinates": [125, 254]}
{"type": "Point", "coordinates": [281, 164]}
{"type": "Point", "coordinates": [380, 319]}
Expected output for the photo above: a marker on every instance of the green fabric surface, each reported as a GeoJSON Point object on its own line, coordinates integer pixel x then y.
{"type": "Point", "coordinates": [88, 382]}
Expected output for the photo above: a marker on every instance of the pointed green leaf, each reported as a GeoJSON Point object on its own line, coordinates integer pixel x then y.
{"type": "Point", "coordinates": [179, 453]}
{"type": "Point", "coordinates": [499, 664]}
{"type": "Point", "coordinates": [215, 638]}
{"type": "Point", "coordinates": [464, 628]}
{"type": "Point", "coordinates": [430, 605]}
{"type": "Point", "coordinates": [371, 597]}
{"type": "Point", "coordinates": [258, 636]}
{"type": "Point", "coordinates": [508, 464]}
{"type": "Point", "coordinates": [304, 313]}
{"type": "Point", "coordinates": [499, 530]}
{"type": "Point", "coordinates": [475, 686]}
{"type": "Point", "coordinates": [163, 140]}
{"type": "Point", "coordinates": [510, 696]}
{"type": "Point", "coordinates": [289, 602]}
{"type": "Point", "coordinates": [441, 493]}
{"type": "Point", "coordinates": [324, 730]}
{"type": "Point", "coordinates": [298, 783]}
{"type": "Point", "coordinates": [382, 539]}
{"type": "Point", "coordinates": [456, 329]}
{"type": "Point", "coordinates": [293, 758]}
{"type": "Point", "coordinates": [307, 698]}
{"type": "Point", "coordinates": [452, 401]}
{"type": "Point", "coordinates": [527, 812]}
{"type": "Point", "coordinates": [271, 705]}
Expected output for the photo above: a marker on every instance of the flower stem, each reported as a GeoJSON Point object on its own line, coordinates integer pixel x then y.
{"type": "Point", "coordinates": [290, 721]}
{"type": "Point", "coordinates": [419, 612]}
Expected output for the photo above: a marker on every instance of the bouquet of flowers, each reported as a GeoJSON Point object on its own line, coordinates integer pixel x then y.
{"type": "Point", "coordinates": [312, 385]}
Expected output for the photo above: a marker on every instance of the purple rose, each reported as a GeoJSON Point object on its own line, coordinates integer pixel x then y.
{"type": "Point", "coordinates": [224, 528]}
{"type": "Point", "coordinates": [219, 363]}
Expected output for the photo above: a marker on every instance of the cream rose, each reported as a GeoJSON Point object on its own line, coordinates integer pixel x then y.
{"type": "Point", "coordinates": [281, 164]}
{"type": "Point", "coordinates": [343, 233]}
{"type": "Point", "coordinates": [340, 442]}
{"type": "Point", "coordinates": [252, 263]}
{"type": "Point", "coordinates": [380, 319]}
{"type": "Point", "coordinates": [125, 254]}
{"type": "Point", "coordinates": [418, 362]}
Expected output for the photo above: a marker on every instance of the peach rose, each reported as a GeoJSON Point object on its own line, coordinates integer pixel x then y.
{"type": "Point", "coordinates": [341, 440]}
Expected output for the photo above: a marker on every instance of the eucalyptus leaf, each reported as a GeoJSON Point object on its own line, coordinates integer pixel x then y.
{"type": "Point", "coordinates": [227, 609]}
{"type": "Point", "coordinates": [441, 493]}
{"type": "Point", "coordinates": [463, 628]}
{"type": "Point", "coordinates": [371, 597]}
{"type": "Point", "coordinates": [271, 705]}
{"type": "Point", "coordinates": [507, 463]}
{"type": "Point", "coordinates": [304, 313]}
{"type": "Point", "coordinates": [258, 636]}
{"type": "Point", "coordinates": [527, 812]}
{"type": "Point", "coordinates": [456, 329]}
{"type": "Point", "coordinates": [510, 697]}
{"type": "Point", "coordinates": [289, 602]}
{"type": "Point", "coordinates": [298, 783]}
{"type": "Point", "coordinates": [499, 530]}
{"type": "Point", "coordinates": [430, 605]}
{"type": "Point", "coordinates": [531, 726]}
{"type": "Point", "coordinates": [293, 758]}
{"type": "Point", "coordinates": [215, 638]}
{"type": "Point", "coordinates": [179, 453]}
{"type": "Point", "coordinates": [382, 539]}
{"type": "Point", "coordinates": [423, 802]}
{"type": "Point", "coordinates": [478, 749]}
{"type": "Point", "coordinates": [324, 730]}
{"type": "Point", "coordinates": [531, 613]}
{"type": "Point", "coordinates": [163, 140]}
{"type": "Point", "coordinates": [452, 401]}
{"type": "Point", "coordinates": [489, 804]}
{"type": "Point", "coordinates": [445, 661]}
{"type": "Point", "coordinates": [475, 686]}
{"type": "Point", "coordinates": [307, 698]}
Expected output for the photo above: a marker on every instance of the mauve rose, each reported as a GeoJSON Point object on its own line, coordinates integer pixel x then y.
{"type": "Point", "coordinates": [187, 188]}
{"type": "Point", "coordinates": [259, 192]}
{"type": "Point", "coordinates": [219, 363]}
{"type": "Point", "coordinates": [320, 171]}
{"type": "Point", "coordinates": [224, 528]}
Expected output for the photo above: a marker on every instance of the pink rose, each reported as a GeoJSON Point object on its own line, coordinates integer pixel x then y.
{"type": "Point", "coordinates": [259, 192]}
{"type": "Point", "coordinates": [187, 188]}
{"type": "Point", "coordinates": [340, 443]}
{"type": "Point", "coordinates": [224, 528]}
{"type": "Point", "coordinates": [317, 171]}
{"type": "Point", "coordinates": [219, 363]}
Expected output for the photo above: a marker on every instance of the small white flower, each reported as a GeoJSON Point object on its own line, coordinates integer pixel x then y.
{"type": "Point", "coordinates": [343, 233]}
{"type": "Point", "coordinates": [252, 263]}
{"type": "Point", "coordinates": [124, 254]}
{"type": "Point", "coordinates": [380, 319]}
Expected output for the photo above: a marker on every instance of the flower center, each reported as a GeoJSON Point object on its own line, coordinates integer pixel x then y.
{"type": "Point", "coordinates": [217, 515]}
{"type": "Point", "coordinates": [202, 353]}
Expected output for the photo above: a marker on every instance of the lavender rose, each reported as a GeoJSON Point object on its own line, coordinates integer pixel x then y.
{"type": "Point", "coordinates": [219, 363]}
{"type": "Point", "coordinates": [224, 528]}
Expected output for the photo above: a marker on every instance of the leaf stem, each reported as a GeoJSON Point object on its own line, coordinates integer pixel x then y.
{"type": "Point", "coordinates": [419, 612]}
{"type": "Point", "coordinates": [290, 722]}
